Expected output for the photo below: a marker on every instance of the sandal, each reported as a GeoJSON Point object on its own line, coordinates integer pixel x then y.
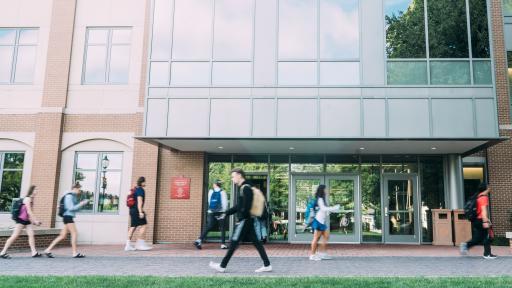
{"type": "Point", "coordinates": [49, 255]}
{"type": "Point", "coordinates": [37, 255]}
{"type": "Point", "coordinates": [5, 256]}
{"type": "Point", "coordinates": [79, 256]}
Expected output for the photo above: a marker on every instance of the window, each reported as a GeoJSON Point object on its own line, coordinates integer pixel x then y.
{"type": "Point", "coordinates": [107, 56]}
{"type": "Point", "coordinates": [18, 48]}
{"type": "Point", "coordinates": [99, 173]}
{"type": "Point", "coordinates": [509, 72]}
{"type": "Point", "coordinates": [507, 7]}
{"type": "Point", "coordinates": [11, 170]}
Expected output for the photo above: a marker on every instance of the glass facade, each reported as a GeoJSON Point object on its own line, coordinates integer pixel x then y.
{"type": "Point", "coordinates": [18, 48]}
{"type": "Point", "coordinates": [11, 172]}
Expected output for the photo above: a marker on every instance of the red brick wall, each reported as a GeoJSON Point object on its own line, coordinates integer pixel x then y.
{"type": "Point", "coordinates": [42, 242]}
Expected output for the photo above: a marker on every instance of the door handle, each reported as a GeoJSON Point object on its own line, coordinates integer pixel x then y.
{"type": "Point", "coordinates": [386, 211]}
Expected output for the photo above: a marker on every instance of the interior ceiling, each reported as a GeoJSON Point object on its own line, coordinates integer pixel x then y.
{"type": "Point", "coordinates": [325, 146]}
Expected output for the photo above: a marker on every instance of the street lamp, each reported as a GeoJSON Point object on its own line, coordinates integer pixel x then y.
{"type": "Point", "coordinates": [104, 166]}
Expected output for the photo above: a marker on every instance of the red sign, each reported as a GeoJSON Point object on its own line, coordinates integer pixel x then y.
{"type": "Point", "coordinates": [180, 188]}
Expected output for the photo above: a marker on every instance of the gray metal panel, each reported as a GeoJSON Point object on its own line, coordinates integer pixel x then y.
{"type": "Point", "coordinates": [230, 118]}
{"type": "Point", "coordinates": [264, 117]}
{"type": "Point", "coordinates": [452, 118]}
{"type": "Point", "coordinates": [408, 118]}
{"type": "Point", "coordinates": [508, 37]}
{"type": "Point", "coordinates": [188, 117]}
{"type": "Point", "coordinates": [485, 118]}
{"type": "Point", "coordinates": [340, 117]}
{"type": "Point", "coordinates": [297, 117]}
{"type": "Point", "coordinates": [372, 43]}
{"type": "Point", "coordinates": [265, 43]}
{"type": "Point", "coordinates": [156, 123]}
{"type": "Point", "coordinates": [374, 111]}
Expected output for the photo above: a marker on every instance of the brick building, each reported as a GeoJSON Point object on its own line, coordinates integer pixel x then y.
{"type": "Point", "coordinates": [380, 100]}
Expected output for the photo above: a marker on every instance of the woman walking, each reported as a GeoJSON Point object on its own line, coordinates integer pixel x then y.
{"type": "Point", "coordinates": [319, 225]}
{"type": "Point", "coordinates": [25, 219]}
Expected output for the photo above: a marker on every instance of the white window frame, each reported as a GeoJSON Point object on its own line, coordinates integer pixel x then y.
{"type": "Point", "coordinates": [12, 79]}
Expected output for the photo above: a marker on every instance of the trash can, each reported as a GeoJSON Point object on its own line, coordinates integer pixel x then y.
{"type": "Point", "coordinates": [442, 224]}
{"type": "Point", "coordinates": [461, 227]}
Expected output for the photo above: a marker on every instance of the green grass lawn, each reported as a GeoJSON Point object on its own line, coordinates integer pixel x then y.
{"type": "Point", "coordinates": [238, 282]}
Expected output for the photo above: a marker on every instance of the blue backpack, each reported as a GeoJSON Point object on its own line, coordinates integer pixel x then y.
{"type": "Point", "coordinates": [310, 210]}
{"type": "Point", "coordinates": [215, 201]}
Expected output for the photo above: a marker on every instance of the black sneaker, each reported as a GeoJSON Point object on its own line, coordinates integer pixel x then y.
{"type": "Point", "coordinates": [198, 244]}
{"type": "Point", "coordinates": [490, 256]}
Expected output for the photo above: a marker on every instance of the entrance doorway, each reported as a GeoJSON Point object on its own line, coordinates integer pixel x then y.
{"type": "Point", "coordinates": [343, 190]}
{"type": "Point", "coordinates": [400, 201]}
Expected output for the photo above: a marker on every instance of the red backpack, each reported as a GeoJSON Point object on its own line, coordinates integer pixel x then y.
{"type": "Point", "coordinates": [130, 199]}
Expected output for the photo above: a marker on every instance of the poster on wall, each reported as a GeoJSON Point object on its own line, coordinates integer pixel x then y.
{"type": "Point", "coordinates": [180, 188]}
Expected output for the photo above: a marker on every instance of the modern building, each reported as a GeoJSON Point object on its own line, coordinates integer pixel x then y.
{"type": "Point", "coordinates": [398, 106]}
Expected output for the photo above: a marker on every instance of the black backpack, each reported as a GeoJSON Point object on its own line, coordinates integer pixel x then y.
{"type": "Point", "coordinates": [470, 208]}
{"type": "Point", "coordinates": [62, 209]}
{"type": "Point", "coordinates": [16, 208]}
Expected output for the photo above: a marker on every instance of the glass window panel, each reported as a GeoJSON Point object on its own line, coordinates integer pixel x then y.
{"type": "Point", "coordinates": [25, 62]}
{"type": "Point", "coordinates": [119, 64]}
{"type": "Point", "coordinates": [482, 72]}
{"type": "Point", "coordinates": [88, 181]}
{"type": "Point", "coordinates": [405, 29]}
{"type": "Point", "coordinates": [115, 160]}
{"type": "Point", "coordinates": [304, 190]}
{"type": "Point", "coordinates": [97, 36]}
{"type": "Point", "coordinates": [342, 192]}
{"type": "Point", "coordinates": [371, 202]}
{"type": "Point", "coordinates": [28, 36]}
{"type": "Point", "coordinates": [190, 73]}
{"type": "Point", "coordinates": [233, 29]}
{"type": "Point", "coordinates": [95, 66]}
{"type": "Point", "coordinates": [278, 204]}
{"type": "Point", "coordinates": [399, 164]}
{"type": "Point", "coordinates": [219, 171]}
{"type": "Point", "coordinates": [232, 73]}
{"type": "Point", "coordinates": [279, 159]}
{"type": "Point", "coordinates": [11, 186]}
{"type": "Point", "coordinates": [473, 176]}
{"type": "Point", "coordinates": [507, 7]}
{"type": "Point", "coordinates": [297, 73]}
{"type": "Point", "coordinates": [447, 29]}
{"type": "Point", "coordinates": [250, 158]}
{"type": "Point", "coordinates": [341, 163]}
{"type": "Point", "coordinates": [159, 73]}
{"type": "Point", "coordinates": [6, 55]}
{"type": "Point", "coordinates": [339, 73]}
{"type": "Point", "coordinates": [401, 207]}
{"type": "Point", "coordinates": [109, 197]}
{"type": "Point", "coordinates": [162, 24]}
{"type": "Point", "coordinates": [87, 161]}
{"type": "Point", "coordinates": [432, 192]}
{"type": "Point", "coordinates": [7, 36]}
{"type": "Point", "coordinates": [192, 29]}
{"type": "Point", "coordinates": [450, 72]}
{"type": "Point", "coordinates": [339, 29]}
{"type": "Point", "coordinates": [509, 73]}
{"type": "Point", "coordinates": [297, 29]}
{"type": "Point", "coordinates": [121, 36]}
{"type": "Point", "coordinates": [479, 29]}
{"type": "Point", "coordinates": [13, 160]}
{"type": "Point", "coordinates": [407, 73]}
{"type": "Point", "coordinates": [307, 163]}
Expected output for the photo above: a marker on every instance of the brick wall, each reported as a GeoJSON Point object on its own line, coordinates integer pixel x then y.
{"type": "Point", "coordinates": [42, 242]}
{"type": "Point", "coordinates": [179, 220]}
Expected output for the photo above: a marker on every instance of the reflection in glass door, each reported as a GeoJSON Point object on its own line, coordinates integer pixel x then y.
{"type": "Point", "coordinates": [400, 213]}
{"type": "Point", "coordinates": [304, 188]}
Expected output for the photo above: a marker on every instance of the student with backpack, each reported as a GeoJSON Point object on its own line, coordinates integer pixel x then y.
{"type": "Point", "coordinates": [135, 202]}
{"type": "Point", "coordinates": [24, 217]}
{"type": "Point", "coordinates": [217, 206]}
{"type": "Point", "coordinates": [320, 226]}
{"type": "Point", "coordinates": [477, 211]}
{"type": "Point", "coordinates": [250, 205]}
{"type": "Point", "coordinates": [68, 206]}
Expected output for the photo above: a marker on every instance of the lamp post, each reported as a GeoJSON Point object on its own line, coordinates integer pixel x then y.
{"type": "Point", "coordinates": [104, 166]}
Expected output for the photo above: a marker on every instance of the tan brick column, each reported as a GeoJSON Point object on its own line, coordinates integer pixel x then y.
{"type": "Point", "coordinates": [46, 161]}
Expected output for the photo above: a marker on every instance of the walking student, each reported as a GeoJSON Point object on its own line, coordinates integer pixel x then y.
{"type": "Point", "coordinates": [482, 226]}
{"type": "Point", "coordinates": [217, 206]}
{"type": "Point", "coordinates": [24, 218]}
{"type": "Point", "coordinates": [320, 226]}
{"type": "Point", "coordinates": [245, 228]}
{"type": "Point", "coordinates": [68, 206]}
{"type": "Point", "coordinates": [138, 219]}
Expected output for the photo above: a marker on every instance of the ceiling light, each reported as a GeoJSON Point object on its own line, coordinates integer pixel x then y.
{"type": "Point", "coordinates": [362, 148]}
{"type": "Point", "coordinates": [220, 147]}
{"type": "Point", "coordinates": [434, 148]}
{"type": "Point", "coordinates": [292, 148]}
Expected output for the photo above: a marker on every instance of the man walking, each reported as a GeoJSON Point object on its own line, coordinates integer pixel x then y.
{"type": "Point", "coordinates": [482, 224]}
{"type": "Point", "coordinates": [217, 206]}
{"type": "Point", "coordinates": [245, 228]}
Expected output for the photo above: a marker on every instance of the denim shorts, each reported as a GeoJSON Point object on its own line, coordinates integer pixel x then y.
{"type": "Point", "coordinates": [318, 226]}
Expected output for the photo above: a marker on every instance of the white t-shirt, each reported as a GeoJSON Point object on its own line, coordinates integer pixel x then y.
{"type": "Point", "coordinates": [323, 210]}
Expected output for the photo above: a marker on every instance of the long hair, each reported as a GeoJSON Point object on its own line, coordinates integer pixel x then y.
{"type": "Point", "coordinates": [31, 190]}
{"type": "Point", "coordinates": [320, 192]}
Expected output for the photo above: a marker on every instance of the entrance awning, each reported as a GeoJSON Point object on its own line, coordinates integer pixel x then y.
{"type": "Point", "coordinates": [326, 146]}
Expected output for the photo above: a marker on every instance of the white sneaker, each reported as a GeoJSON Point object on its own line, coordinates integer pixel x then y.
{"type": "Point", "coordinates": [141, 245]}
{"type": "Point", "coordinates": [463, 248]}
{"type": "Point", "coordinates": [216, 267]}
{"type": "Point", "coordinates": [315, 257]}
{"type": "Point", "coordinates": [324, 256]}
{"type": "Point", "coordinates": [264, 269]}
{"type": "Point", "coordinates": [223, 246]}
{"type": "Point", "coordinates": [129, 246]}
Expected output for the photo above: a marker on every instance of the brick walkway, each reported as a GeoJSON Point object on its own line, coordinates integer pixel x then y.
{"type": "Point", "coordinates": [287, 260]}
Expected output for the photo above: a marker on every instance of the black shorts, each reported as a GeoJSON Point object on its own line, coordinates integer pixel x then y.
{"type": "Point", "coordinates": [135, 220]}
{"type": "Point", "coordinates": [68, 219]}
{"type": "Point", "coordinates": [23, 222]}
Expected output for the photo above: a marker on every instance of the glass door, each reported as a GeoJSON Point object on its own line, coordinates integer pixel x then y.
{"type": "Point", "coordinates": [303, 189]}
{"type": "Point", "coordinates": [400, 209]}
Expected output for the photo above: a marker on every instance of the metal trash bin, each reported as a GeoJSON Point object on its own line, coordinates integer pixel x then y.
{"type": "Point", "coordinates": [442, 227]}
{"type": "Point", "coordinates": [461, 227]}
